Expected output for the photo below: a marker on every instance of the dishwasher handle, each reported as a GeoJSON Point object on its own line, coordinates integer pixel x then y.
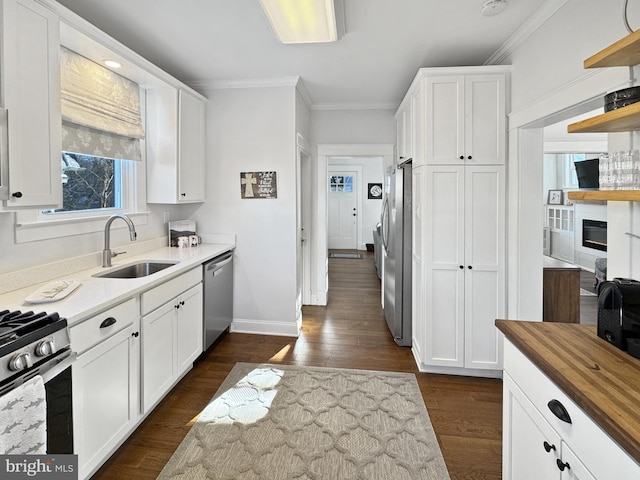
{"type": "Point", "coordinates": [219, 262]}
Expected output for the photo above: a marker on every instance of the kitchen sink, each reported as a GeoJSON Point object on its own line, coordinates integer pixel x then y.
{"type": "Point", "coordinates": [136, 270]}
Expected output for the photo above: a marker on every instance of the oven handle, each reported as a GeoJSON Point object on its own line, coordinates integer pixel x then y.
{"type": "Point", "coordinates": [59, 367]}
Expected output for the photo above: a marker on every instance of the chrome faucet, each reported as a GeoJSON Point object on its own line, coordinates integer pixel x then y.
{"type": "Point", "coordinates": [106, 253]}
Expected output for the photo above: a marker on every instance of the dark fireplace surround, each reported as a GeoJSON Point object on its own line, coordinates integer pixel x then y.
{"type": "Point", "coordinates": [594, 234]}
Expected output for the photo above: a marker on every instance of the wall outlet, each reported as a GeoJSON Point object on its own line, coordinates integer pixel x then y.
{"type": "Point", "coordinates": [165, 216]}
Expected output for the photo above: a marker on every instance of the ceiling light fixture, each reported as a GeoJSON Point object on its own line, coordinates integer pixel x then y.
{"type": "Point", "coordinates": [493, 7]}
{"type": "Point", "coordinates": [305, 21]}
{"type": "Point", "coordinates": [112, 64]}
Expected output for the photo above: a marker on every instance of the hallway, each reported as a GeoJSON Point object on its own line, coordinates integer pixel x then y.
{"type": "Point", "coordinates": [350, 332]}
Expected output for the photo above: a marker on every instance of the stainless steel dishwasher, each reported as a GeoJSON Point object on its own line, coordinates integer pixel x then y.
{"type": "Point", "coordinates": [218, 296]}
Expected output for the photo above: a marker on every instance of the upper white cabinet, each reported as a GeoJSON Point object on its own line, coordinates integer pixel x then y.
{"type": "Point", "coordinates": [30, 84]}
{"type": "Point", "coordinates": [404, 131]}
{"type": "Point", "coordinates": [175, 146]}
{"type": "Point", "coordinates": [465, 118]}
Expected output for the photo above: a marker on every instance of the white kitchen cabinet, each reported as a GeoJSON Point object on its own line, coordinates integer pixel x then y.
{"type": "Point", "coordinates": [539, 445]}
{"type": "Point", "coordinates": [175, 146]}
{"type": "Point", "coordinates": [172, 335]}
{"type": "Point", "coordinates": [404, 131]}
{"type": "Point", "coordinates": [463, 251]}
{"type": "Point", "coordinates": [465, 118]}
{"type": "Point", "coordinates": [30, 86]}
{"type": "Point", "coordinates": [417, 253]}
{"type": "Point", "coordinates": [106, 388]}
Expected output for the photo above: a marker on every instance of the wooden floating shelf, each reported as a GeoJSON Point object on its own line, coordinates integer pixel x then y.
{"type": "Point", "coordinates": [624, 53]}
{"type": "Point", "coordinates": [609, 195]}
{"type": "Point", "coordinates": [623, 119]}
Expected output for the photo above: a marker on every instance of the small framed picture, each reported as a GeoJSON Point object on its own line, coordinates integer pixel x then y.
{"type": "Point", "coordinates": [374, 191]}
{"type": "Point", "coordinates": [555, 197]}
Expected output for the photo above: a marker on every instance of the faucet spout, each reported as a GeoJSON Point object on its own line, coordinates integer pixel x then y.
{"type": "Point", "coordinates": [106, 253]}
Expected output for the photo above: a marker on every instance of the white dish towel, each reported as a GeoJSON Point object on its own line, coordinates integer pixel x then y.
{"type": "Point", "coordinates": [23, 419]}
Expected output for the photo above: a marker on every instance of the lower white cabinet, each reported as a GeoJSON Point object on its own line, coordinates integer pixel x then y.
{"type": "Point", "coordinates": [106, 388]}
{"type": "Point", "coordinates": [538, 445]}
{"type": "Point", "coordinates": [171, 341]}
{"type": "Point", "coordinates": [459, 239]}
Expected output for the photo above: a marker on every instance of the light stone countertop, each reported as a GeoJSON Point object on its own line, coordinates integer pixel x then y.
{"type": "Point", "coordinates": [97, 294]}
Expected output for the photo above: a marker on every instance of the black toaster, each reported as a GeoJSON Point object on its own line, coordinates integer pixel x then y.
{"type": "Point", "coordinates": [619, 314]}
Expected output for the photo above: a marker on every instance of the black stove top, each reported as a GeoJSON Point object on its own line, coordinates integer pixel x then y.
{"type": "Point", "coordinates": [21, 328]}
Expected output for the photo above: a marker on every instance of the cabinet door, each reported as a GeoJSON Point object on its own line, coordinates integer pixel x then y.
{"type": "Point", "coordinates": [443, 256]}
{"type": "Point", "coordinates": [485, 125]}
{"type": "Point", "coordinates": [417, 269]}
{"type": "Point", "coordinates": [190, 328]}
{"type": "Point", "coordinates": [444, 120]}
{"type": "Point", "coordinates": [105, 397]}
{"type": "Point", "coordinates": [484, 285]}
{"type": "Point", "coordinates": [530, 447]}
{"type": "Point", "coordinates": [574, 469]}
{"type": "Point", "coordinates": [404, 129]}
{"type": "Point", "coordinates": [191, 147]}
{"type": "Point", "coordinates": [31, 93]}
{"type": "Point", "coordinates": [158, 353]}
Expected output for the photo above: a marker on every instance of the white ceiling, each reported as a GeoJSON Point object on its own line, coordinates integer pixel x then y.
{"type": "Point", "coordinates": [386, 41]}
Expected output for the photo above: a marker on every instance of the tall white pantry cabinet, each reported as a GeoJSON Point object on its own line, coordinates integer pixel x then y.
{"type": "Point", "coordinates": [457, 118]}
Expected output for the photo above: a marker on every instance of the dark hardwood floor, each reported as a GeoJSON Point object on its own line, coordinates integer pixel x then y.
{"type": "Point", "coordinates": [350, 332]}
{"type": "Point", "coordinates": [588, 303]}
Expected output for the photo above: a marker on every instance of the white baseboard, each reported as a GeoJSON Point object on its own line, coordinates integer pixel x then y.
{"type": "Point", "coordinates": [265, 327]}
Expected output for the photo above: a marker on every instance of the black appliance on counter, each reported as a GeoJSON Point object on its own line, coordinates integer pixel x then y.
{"type": "Point", "coordinates": [619, 314]}
{"type": "Point", "coordinates": [39, 344]}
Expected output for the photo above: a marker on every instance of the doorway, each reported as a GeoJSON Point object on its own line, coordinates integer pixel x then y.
{"type": "Point", "coordinates": [344, 224]}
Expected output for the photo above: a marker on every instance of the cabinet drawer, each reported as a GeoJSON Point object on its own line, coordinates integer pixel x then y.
{"type": "Point", "coordinates": [90, 332]}
{"type": "Point", "coordinates": [601, 455]}
{"type": "Point", "coordinates": [161, 294]}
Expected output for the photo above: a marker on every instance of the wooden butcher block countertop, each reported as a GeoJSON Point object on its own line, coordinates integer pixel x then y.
{"type": "Point", "coordinates": [603, 380]}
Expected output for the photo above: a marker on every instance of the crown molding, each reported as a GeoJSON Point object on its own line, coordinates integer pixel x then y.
{"type": "Point", "coordinates": [546, 11]}
{"type": "Point", "coordinates": [245, 83]}
{"type": "Point", "coordinates": [356, 106]}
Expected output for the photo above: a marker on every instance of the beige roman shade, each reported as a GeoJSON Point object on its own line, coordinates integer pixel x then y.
{"type": "Point", "coordinates": [100, 110]}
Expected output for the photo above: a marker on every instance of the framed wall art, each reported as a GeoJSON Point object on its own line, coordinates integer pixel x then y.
{"type": "Point", "coordinates": [258, 185]}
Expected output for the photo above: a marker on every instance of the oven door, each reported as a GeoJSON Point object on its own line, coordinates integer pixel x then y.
{"type": "Point", "coordinates": [57, 384]}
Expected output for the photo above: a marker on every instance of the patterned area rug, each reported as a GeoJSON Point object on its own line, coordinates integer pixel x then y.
{"type": "Point", "coordinates": [279, 422]}
{"type": "Point", "coordinates": [345, 255]}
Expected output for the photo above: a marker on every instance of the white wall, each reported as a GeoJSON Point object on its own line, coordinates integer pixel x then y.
{"type": "Point", "coordinates": [250, 130]}
{"type": "Point", "coordinates": [365, 126]}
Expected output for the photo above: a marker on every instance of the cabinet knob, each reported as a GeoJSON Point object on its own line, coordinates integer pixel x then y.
{"type": "Point", "coordinates": [548, 446]}
{"type": "Point", "coordinates": [183, 194]}
{"type": "Point", "coordinates": [461, 157]}
{"type": "Point", "coordinates": [16, 194]}
{"type": "Point", "coordinates": [461, 267]}
{"type": "Point", "coordinates": [135, 334]}
{"type": "Point", "coordinates": [562, 465]}
{"type": "Point", "coordinates": [469, 157]}
{"type": "Point", "coordinates": [470, 267]}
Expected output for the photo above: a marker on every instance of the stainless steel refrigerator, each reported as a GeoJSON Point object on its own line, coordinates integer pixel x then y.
{"type": "Point", "coordinates": [396, 240]}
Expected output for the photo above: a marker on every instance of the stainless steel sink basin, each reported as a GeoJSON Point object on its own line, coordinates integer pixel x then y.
{"type": "Point", "coordinates": [136, 270]}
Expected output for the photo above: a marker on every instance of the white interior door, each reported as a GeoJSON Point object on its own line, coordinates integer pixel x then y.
{"type": "Point", "coordinates": [343, 214]}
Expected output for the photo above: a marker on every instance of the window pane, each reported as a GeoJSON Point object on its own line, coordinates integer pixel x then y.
{"type": "Point", "coordinates": [90, 183]}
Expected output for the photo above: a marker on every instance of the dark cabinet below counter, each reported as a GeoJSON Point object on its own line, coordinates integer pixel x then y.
{"type": "Point", "coordinates": [560, 291]}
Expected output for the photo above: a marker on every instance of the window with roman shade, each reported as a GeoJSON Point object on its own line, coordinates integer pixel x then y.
{"type": "Point", "coordinates": [100, 110]}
